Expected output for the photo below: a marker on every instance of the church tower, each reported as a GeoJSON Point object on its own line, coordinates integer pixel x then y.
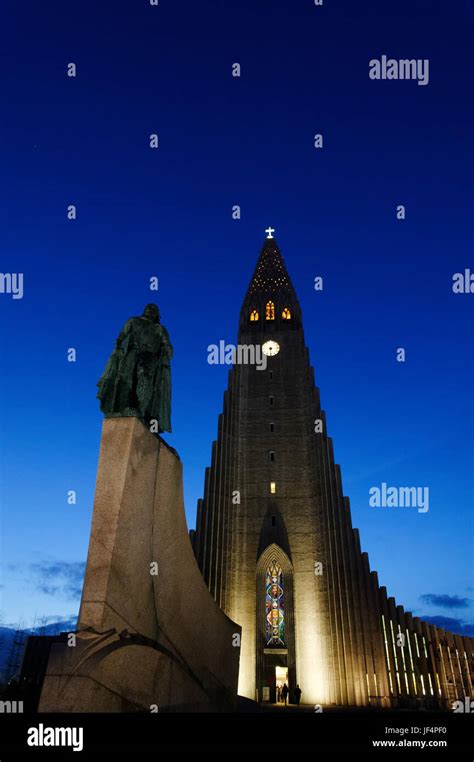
{"type": "Point", "coordinates": [274, 538]}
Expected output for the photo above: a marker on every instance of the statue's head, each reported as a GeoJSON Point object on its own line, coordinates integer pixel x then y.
{"type": "Point", "coordinates": [151, 313]}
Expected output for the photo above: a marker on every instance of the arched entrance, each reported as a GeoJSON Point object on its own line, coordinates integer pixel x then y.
{"type": "Point", "coordinates": [275, 629]}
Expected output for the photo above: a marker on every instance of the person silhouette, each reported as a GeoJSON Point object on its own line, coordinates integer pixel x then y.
{"type": "Point", "coordinates": [297, 695]}
{"type": "Point", "coordinates": [284, 693]}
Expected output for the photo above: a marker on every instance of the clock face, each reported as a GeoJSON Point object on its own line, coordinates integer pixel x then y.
{"type": "Point", "coordinates": [270, 348]}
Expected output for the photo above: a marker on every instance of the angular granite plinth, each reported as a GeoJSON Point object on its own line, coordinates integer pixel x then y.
{"type": "Point", "coordinates": [144, 640]}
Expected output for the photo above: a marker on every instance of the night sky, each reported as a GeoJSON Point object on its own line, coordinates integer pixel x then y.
{"type": "Point", "coordinates": [246, 141]}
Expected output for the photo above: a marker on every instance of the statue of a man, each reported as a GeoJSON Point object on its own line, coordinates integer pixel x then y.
{"type": "Point", "coordinates": [137, 378]}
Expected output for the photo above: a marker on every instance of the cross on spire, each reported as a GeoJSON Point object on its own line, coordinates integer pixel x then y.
{"type": "Point", "coordinates": [270, 231]}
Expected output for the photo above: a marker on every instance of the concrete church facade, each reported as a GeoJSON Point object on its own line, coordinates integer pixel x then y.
{"type": "Point", "coordinates": [275, 543]}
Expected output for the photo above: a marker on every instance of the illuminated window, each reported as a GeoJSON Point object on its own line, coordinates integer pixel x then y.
{"type": "Point", "coordinates": [409, 650]}
{"type": "Point", "coordinates": [286, 314]}
{"type": "Point", "coordinates": [394, 648]}
{"type": "Point", "coordinates": [391, 683]}
{"type": "Point", "coordinates": [270, 311]}
{"type": "Point", "coordinates": [274, 606]}
{"type": "Point", "coordinates": [402, 649]}
{"type": "Point", "coordinates": [254, 316]}
{"type": "Point", "coordinates": [431, 684]}
{"type": "Point", "coordinates": [416, 643]}
{"type": "Point", "coordinates": [387, 652]}
{"type": "Point", "coordinates": [424, 647]}
{"type": "Point", "coordinates": [273, 488]}
{"type": "Point", "coordinates": [406, 683]}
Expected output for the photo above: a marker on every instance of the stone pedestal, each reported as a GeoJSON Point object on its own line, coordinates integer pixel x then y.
{"type": "Point", "coordinates": [144, 639]}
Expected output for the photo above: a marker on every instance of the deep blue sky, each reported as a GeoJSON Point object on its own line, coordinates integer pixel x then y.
{"type": "Point", "coordinates": [247, 141]}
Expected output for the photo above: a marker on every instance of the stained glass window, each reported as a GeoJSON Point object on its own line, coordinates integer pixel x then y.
{"type": "Point", "coordinates": [275, 612]}
{"type": "Point", "coordinates": [286, 314]}
{"type": "Point", "coordinates": [270, 311]}
{"type": "Point", "coordinates": [254, 316]}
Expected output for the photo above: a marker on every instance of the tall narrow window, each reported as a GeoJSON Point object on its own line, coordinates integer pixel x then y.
{"type": "Point", "coordinates": [270, 311]}
{"type": "Point", "coordinates": [254, 316]}
{"type": "Point", "coordinates": [272, 427]}
{"type": "Point", "coordinates": [270, 375]}
{"type": "Point", "coordinates": [274, 606]}
{"type": "Point", "coordinates": [272, 456]}
{"type": "Point", "coordinates": [273, 488]}
{"type": "Point", "coordinates": [270, 399]}
{"type": "Point", "coordinates": [286, 314]}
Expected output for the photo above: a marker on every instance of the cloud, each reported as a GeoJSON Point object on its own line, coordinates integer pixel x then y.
{"type": "Point", "coordinates": [47, 589]}
{"type": "Point", "coordinates": [445, 601]}
{"type": "Point", "coordinates": [453, 625]}
{"type": "Point", "coordinates": [52, 625]}
{"type": "Point", "coordinates": [59, 578]}
{"type": "Point", "coordinates": [57, 619]}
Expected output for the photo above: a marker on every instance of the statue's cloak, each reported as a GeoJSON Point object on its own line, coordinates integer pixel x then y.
{"type": "Point", "coordinates": [137, 377]}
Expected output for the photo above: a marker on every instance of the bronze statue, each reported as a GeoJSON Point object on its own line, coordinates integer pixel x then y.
{"type": "Point", "coordinates": [137, 378]}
